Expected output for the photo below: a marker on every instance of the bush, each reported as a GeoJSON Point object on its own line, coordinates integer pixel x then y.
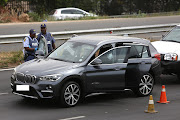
{"type": "Point", "coordinates": [34, 17]}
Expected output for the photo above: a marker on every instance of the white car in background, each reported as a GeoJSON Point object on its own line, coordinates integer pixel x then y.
{"type": "Point", "coordinates": [69, 13]}
{"type": "Point", "coordinates": [169, 48]}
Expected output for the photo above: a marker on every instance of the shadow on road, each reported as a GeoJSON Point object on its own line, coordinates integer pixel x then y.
{"type": "Point", "coordinates": [90, 99]}
{"type": "Point", "coordinates": [98, 98]}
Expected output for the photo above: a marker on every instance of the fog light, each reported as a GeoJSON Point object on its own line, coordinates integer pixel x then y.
{"type": "Point", "coordinates": [48, 87]}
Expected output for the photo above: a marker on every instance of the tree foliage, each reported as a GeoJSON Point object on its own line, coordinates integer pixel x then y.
{"type": "Point", "coordinates": [3, 2]}
{"type": "Point", "coordinates": [109, 7]}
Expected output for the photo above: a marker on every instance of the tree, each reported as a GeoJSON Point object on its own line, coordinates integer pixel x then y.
{"type": "Point", "coordinates": [3, 2]}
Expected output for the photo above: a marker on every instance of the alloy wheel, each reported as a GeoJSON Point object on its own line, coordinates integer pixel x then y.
{"type": "Point", "coordinates": [72, 94]}
{"type": "Point", "coordinates": [146, 84]}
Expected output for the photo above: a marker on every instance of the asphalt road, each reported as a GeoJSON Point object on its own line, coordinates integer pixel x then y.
{"type": "Point", "coordinates": [122, 106]}
{"type": "Point", "coordinates": [23, 28]}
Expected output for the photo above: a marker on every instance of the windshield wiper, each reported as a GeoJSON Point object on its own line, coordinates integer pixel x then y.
{"type": "Point", "coordinates": [172, 41]}
{"type": "Point", "coordinates": [55, 59]}
{"type": "Point", "coordinates": [62, 60]}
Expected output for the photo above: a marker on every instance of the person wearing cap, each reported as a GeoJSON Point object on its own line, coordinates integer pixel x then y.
{"type": "Point", "coordinates": [30, 44]}
{"type": "Point", "coordinates": [50, 39]}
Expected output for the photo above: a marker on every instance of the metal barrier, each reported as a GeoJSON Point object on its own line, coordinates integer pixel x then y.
{"type": "Point", "coordinates": [10, 39]}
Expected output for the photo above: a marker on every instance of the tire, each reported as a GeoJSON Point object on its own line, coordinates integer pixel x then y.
{"type": "Point", "coordinates": [70, 94]}
{"type": "Point", "coordinates": [145, 85]}
{"type": "Point", "coordinates": [178, 76]}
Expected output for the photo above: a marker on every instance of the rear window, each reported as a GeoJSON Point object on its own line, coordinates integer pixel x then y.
{"type": "Point", "coordinates": [66, 12]}
{"type": "Point", "coordinates": [139, 51]}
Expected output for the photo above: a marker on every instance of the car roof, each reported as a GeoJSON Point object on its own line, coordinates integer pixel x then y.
{"type": "Point", "coordinates": [104, 39]}
{"type": "Point", "coordinates": [68, 8]}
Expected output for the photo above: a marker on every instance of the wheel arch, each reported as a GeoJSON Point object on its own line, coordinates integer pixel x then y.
{"type": "Point", "coordinates": [75, 78]}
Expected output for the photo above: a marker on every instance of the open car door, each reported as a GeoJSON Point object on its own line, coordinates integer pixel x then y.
{"type": "Point", "coordinates": [138, 76]}
{"type": "Point", "coordinates": [42, 48]}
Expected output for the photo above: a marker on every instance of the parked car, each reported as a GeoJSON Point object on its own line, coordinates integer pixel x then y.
{"type": "Point", "coordinates": [89, 64]}
{"type": "Point", "coordinates": [169, 48]}
{"type": "Point", "coordinates": [71, 13]}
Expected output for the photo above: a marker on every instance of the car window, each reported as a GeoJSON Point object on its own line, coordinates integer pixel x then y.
{"type": "Point", "coordinates": [117, 55]}
{"type": "Point", "coordinates": [136, 51]}
{"type": "Point", "coordinates": [101, 50]}
{"type": "Point", "coordinates": [121, 54]}
{"type": "Point", "coordinates": [72, 52]}
{"type": "Point", "coordinates": [145, 53]}
{"type": "Point", "coordinates": [66, 12]}
{"type": "Point", "coordinates": [173, 35]}
{"type": "Point", "coordinates": [133, 53]}
{"type": "Point", "coordinates": [77, 12]}
{"type": "Point", "coordinates": [107, 58]}
{"type": "Point", "coordinates": [139, 49]}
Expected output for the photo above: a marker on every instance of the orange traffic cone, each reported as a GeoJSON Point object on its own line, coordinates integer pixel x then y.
{"type": "Point", "coordinates": [163, 98]}
{"type": "Point", "coordinates": [151, 106]}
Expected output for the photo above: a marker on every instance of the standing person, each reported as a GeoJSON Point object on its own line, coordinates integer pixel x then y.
{"type": "Point", "coordinates": [30, 44]}
{"type": "Point", "coordinates": [50, 39]}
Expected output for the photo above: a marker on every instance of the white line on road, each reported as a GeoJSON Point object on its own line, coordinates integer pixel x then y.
{"type": "Point", "coordinates": [4, 93]}
{"type": "Point", "coordinates": [73, 118]}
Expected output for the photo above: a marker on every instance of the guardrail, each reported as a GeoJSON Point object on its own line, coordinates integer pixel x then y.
{"type": "Point", "coordinates": [10, 39]}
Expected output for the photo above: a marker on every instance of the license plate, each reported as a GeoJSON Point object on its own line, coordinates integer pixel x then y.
{"type": "Point", "coordinates": [22, 87]}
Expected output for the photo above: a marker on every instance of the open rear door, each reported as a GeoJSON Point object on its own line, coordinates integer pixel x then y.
{"type": "Point", "coordinates": [139, 64]}
{"type": "Point", "coordinates": [136, 68]}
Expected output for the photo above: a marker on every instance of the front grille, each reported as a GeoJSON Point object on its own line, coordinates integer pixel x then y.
{"type": "Point", "coordinates": [26, 78]}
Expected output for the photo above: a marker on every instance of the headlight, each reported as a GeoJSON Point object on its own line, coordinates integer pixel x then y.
{"type": "Point", "coordinates": [171, 56]}
{"type": "Point", "coordinates": [53, 77]}
{"type": "Point", "coordinates": [14, 71]}
{"type": "Point", "coordinates": [13, 76]}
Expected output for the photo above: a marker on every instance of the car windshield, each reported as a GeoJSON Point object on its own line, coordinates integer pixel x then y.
{"type": "Point", "coordinates": [72, 52]}
{"type": "Point", "coordinates": [174, 35]}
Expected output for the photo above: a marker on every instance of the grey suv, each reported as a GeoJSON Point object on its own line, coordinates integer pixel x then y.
{"type": "Point", "coordinates": [89, 64]}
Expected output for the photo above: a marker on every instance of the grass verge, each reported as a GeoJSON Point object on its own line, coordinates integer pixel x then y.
{"type": "Point", "coordinates": [10, 59]}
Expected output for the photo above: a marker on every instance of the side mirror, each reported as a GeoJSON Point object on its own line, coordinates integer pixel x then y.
{"type": "Point", "coordinates": [39, 53]}
{"type": "Point", "coordinates": [96, 62]}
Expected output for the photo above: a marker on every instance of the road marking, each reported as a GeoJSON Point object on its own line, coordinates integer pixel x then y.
{"type": "Point", "coordinates": [73, 118]}
{"type": "Point", "coordinates": [4, 93]}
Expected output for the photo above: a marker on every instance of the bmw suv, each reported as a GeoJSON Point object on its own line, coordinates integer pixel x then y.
{"type": "Point", "coordinates": [89, 64]}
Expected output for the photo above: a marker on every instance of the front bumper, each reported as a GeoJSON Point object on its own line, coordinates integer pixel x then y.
{"type": "Point", "coordinates": [169, 67]}
{"type": "Point", "coordinates": [39, 90]}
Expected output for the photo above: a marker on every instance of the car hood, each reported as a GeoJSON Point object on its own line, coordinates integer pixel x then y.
{"type": "Point", "coordinates": [45, 66]}
{"type": "Point", "coordinates": [164, 47]}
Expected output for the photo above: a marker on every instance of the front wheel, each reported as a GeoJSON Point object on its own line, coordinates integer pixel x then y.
{"type": "Point", "coordinates": [145, 85]}
{"type": "Point", "coordinates": [70, 94]}
{"type": "Point", "coordinates": [178, 76]}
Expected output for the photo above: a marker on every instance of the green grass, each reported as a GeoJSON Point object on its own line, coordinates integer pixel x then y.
{"type": "Point", "coordinates": [11, 59]}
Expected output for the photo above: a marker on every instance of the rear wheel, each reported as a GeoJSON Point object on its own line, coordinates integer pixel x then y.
{"type": "Point", "coordinates": [145, 85]}
{"type": "Point", "coordinates": [178, 76]}
{"type": "Point", "coordinates": [70, 94]}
